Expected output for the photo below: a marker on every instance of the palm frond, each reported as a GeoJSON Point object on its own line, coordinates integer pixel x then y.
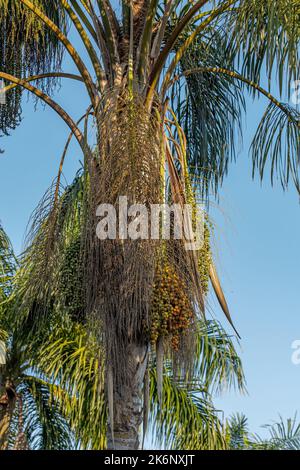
{"type": "Point", "coordinates": [27, 47]}
{"type": "Point", "coordinates": [284, 435]}
{"type": "Point", "coordinates": [266, 33]}
{"type": "Point", "coordinates": [41, 281]}
{"type": "Point", "coordinates": [237, 432]}
{"type": "Point", "coordinates": [44, 425]}
{"type": "Point", "coordinates": [74, 364]}
{"type": "Point", "coordinates": [216, 363]}
{"type": "Point", "coordinates": [7, 270]}
{"type": "Point", "coordinates": [7, 259]}
{"type": "Point", "coordinates": [209, 109]}
{"type": "Point", "coordinates": [182, 410]}
{"type": "Point", "coordinates": [277, 144]}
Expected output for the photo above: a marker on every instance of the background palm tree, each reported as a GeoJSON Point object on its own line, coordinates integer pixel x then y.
{"type": "Point", "coordinates": [28, 416]}
{"type": "Point", "coordinates": [284, 435]}
{"type": "Point", "coordinates": [166, 106]}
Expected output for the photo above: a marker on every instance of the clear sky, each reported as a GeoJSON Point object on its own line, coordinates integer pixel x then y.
{"type": "Point", "coordinates": [256, 242]}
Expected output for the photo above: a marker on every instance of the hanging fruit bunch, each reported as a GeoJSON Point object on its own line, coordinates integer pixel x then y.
{"type": "Point", "coordinates": [172, 311]}
{"type": "Point", "coordinates": [71, 280]}
{"type": "Point", "coordinates": [205, 258]}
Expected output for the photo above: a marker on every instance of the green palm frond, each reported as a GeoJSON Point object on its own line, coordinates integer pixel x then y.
{"type": "Point", "coordinates": [267, 33]}
{"type": "Point", "coordinates": [182, 410]}
{"type": "Point", "coordinates": [284, 435]}
{"type": "Point", "coordinates": [209, 109]}
{"type": "Point", "coordinates": [27, 47]}
{"type": "Point", "coordinates": [7, 259]}
{"type": "Point", "coordinates": [44, 425]}
{"type": "Point", "coordinates": [7, 270]}
{"type": "Point", "coordinates": [216, 361]}
{"type": "Point", "coordinates": [259, 37]}
{"type": "Point", "coordinates": [70, 358]}
{"type": "Point", "coordinates": [36, 419]}
{"type": "Point", "coordinates": [211, 360]}
{"type": "Point", "coordinates": [237, 432]}
{"type": "Point", "coordinates": [41, 282]}
{"type": "Point", "coordinates": [277, 144]}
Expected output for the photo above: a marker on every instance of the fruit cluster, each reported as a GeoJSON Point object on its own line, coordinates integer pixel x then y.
{"type": "Point", "coordinates": [71, 282]}
{"type": "Point", "coordinates": [171, 312]}
{"type": "Point", "coordinates": [204, 258]}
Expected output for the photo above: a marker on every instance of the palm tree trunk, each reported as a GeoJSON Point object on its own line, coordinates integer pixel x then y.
{"type": "Point", "coordinates": [21, 442]}
{"type": "Point", "coordinates": [7, 406]}
{"type": "Point", "coordinates": [128, 404]}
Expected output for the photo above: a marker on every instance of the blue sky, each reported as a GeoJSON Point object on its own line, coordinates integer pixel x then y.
{"type": "Point", "coordinates": [256, 244]}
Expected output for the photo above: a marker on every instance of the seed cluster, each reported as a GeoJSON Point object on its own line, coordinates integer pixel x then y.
{"type": "Point", "coordinates": [171, 308]}
{"type": "Point", "coordinates": [71, 282]}
{"type": "Point", "coordinates": [204, 259]}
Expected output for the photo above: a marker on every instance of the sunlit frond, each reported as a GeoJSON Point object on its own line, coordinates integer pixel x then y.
{"type": "Point", "coordinates": [44, 426]}
{"type": "Point", "coordinates": [181, 410]}
{"type": "Point", "coordinates": [266, 33]}
{"type": "Point", "coordinates": [217, 363]}
{"type": "Point", "coordinates": [74, 364]}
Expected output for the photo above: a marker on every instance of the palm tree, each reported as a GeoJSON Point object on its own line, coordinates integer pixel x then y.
{"type": "Point", "coordinates": [7, 401]}
{"type": "Point", "coordinates": [51, 382]}
{"type": "Point", "coordinates": [28, 417]}
{"type": "Point", "coordinates": [71, 357]}
{"type": "Point", "coordinates": [166, 105]}
{"type": "Point", "coordinates": [69, 350]}
{"type": "Point", "coordinates": [284, 435]}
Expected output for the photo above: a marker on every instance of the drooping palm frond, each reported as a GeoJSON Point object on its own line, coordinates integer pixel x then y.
{"type": "Point", "coordinates": [182, 409]}
{"type": "Point", "coordinates": [266, 33]}
{"type": "Point", "coordinates": [209, 358]}
{"type": "Point", "coordinates": [27, 47]}
{"type": "Point", "coordinates": [217, 363]}
{"type": "Point", "coordinates": [209, 108]}
{"type": "Point", "coordinates": [183, 400]}
{"type": "Point", "coordinates": [277, 144]}
{"type": "Point", "coordinates": [7, 259]}
{"type": "Point", "coordinates": [43, 424]}
{"type": "Point", "coordinates": [7, 269]}
{"type": "Point", "coordinates": [74, 364]}
{"type": "Point", "coordinates": [33, 419]}
{"type": "Point", "coordinates": [44, 279]}
{"type": "Point", "coordinates": [263, 36]}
